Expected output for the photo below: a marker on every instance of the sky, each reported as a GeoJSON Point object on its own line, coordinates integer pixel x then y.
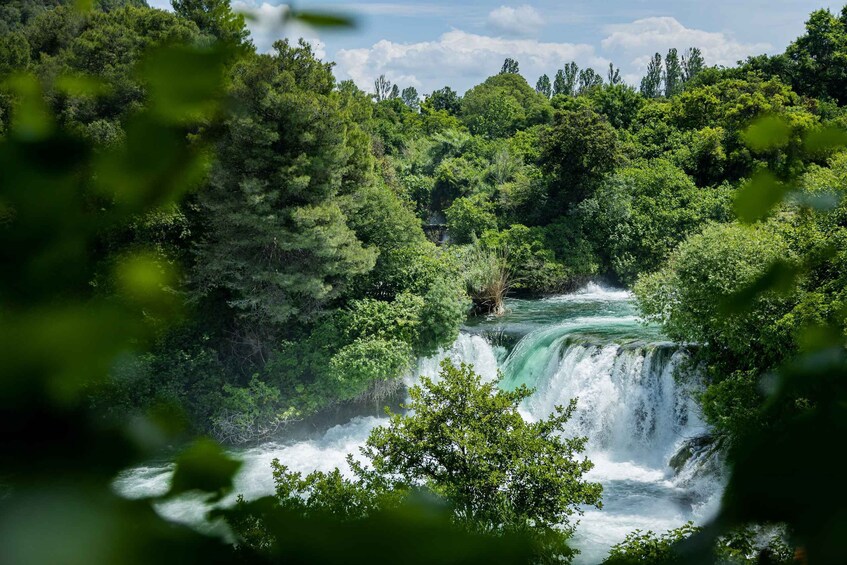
{"type": "Point", "coordinates": [459, 43]}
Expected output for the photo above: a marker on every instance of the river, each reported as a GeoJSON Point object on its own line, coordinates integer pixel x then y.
{"type": "Point", "coordinates": [588, 345]}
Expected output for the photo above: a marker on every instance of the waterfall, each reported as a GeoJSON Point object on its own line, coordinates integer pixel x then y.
{"type": "Point", "coordinates": [629, 403]}
{"type": "Point", "coordinates": [589, 345]}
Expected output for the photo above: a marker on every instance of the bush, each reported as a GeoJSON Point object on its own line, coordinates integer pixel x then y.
{"type": "Point", "coordinates": [364, 363]}
{"type": "Point", "coordinates": [445, 307]}
{"type": "Point", "coordinates": [250, 413]}
{"type": "Point", "coordinates": [468, 218]}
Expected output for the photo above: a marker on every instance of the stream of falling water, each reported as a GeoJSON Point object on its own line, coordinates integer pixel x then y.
{"type": "Point", "coordinates": [588, 345]}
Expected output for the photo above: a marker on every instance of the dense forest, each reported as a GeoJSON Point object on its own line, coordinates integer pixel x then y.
{"type": "Point", "coordinates": [308, 241]}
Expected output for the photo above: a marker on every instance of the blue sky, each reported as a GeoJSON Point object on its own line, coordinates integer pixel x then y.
{"type": "Point", "coordinates": [459, 43]}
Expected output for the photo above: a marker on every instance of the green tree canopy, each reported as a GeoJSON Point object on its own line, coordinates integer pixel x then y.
{"type": "Point", "coordinates": [577, 151]}
{"type": "Point", "coordinates": [503, 104]}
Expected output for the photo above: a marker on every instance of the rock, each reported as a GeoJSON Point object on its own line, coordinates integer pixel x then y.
{"type": "Point", "coordinates": [690, 448]}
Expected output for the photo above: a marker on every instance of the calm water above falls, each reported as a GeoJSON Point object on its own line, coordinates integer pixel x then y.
{"type": "Point", "coordinates": [588, 345]}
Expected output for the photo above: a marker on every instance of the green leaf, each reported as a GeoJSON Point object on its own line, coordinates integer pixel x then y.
{"type": "Point", "coordinates": [321, 19]}
{"type": "Point", "coordinates": [31, 119]}
{"type": "Point", "coordinates": [767, 133]}
{"type": "Point", "coordinates": [81, 85]}
{"type": "Point", "coordinates": [205, 467]}
{"type": "Point", "coordinates": [780, 276]}
{"type": "Point", "coordinates": [824, 140]}
{"type": "Point", "coordinates": [83, 5]}
{"type": "Point", "coordinates": [185, 84]}
{"type": "Point", "coordinates": [758, 196]}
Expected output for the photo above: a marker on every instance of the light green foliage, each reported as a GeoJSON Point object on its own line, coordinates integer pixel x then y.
{"type": "Point", "coordinates": [503, 104]}
{"type": "Point", "coordinates": [534, 266]}
{"type": "Point", "coordinates": [535, 478]}
{"type": "Point", "coordinates": [362, 364]}
{"type": "Point", "coordinates": [455, 177]}
{"type": "Point", "coordinates": [690, 295]}
{"type": "Point", "coordinates": [497, 473]}
{"type": "Point", "coordinates": [468, 218]}
{"type": "Point", "coordinates": [734, 105]}
{"type": "Point", "coordinates": [215, 18]}
{"type": "Point", "coordinates": [445, 307]}
{"type": "Point", "coordinates": [745, 546]}
{"type": "Point", "coordinates": [648, 548]}
{"type": "Point", "coordinates": [708, 268]}
{"type": "Point", "coordinates": [248, 413]}
{"type": "Point", "coordinates": [399, 319]}
{"type": "Point", "coordinates": [640, 214]}
{"type": "Point", "coordinates": [363, 350]}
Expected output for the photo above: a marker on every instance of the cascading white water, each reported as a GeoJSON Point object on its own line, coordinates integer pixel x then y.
{"type": "Point", "coordinates": [636, 416]}
{"type": "Point", "coordinates": [588, 345]}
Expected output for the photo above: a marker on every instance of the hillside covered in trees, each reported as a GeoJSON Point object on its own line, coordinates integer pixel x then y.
{"type": "Point", "coordinates": [324, 237]}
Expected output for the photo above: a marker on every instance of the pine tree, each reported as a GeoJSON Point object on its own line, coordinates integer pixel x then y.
{"type": "Point", "coordinates": [276, 246]}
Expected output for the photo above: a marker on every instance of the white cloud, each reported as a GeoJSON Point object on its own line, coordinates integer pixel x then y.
{"type": "Point", "coordinates": [391, 9]}
{"type": "Point", "coordinates": [459, 59]}
{"type": "Point", "coordinates": [266, 24]}
{"type": "Point", "coordinates": [637, 41]}
{"type": "Point", "coordinates": [523, 20]}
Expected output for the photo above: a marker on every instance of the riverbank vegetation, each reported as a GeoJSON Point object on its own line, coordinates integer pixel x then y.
{"type": "Point", "coordinates": [463, 445]}
{"type": "Point", "coordinates": [257, 240]}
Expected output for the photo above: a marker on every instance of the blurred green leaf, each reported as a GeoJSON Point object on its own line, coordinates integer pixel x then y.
{"type": "Point", "coordinates": [142, 276]}
{"type": "Point", "coordinates": [83, 5]}
{"type": "Point", "coordinates": [321, 19]}
{"type": "Point", "coordinates": [825, 139]}
{"type": "Point", "coordinates": [185, 84]}
{"type": "Point", "coordinates": [779, 277]}
{"type": "Point", "coordinates": [758, 196]}
{"type": "Point", "coordinates": [766, 134]}
{"type": "Point", "coordinates": [31, 119]}
{"type": "Point", "coordinates": [205, 467]}
{"type": "Point", "coordinates": [153, 167]}
{"type": "Point", "coordinates": [81, 85]}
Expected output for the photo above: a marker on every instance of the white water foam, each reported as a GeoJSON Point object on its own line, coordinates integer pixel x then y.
{"type": "Point", "coordinates": [593, 292]}
{"type": "Point", "coordinates": [635, 414]}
